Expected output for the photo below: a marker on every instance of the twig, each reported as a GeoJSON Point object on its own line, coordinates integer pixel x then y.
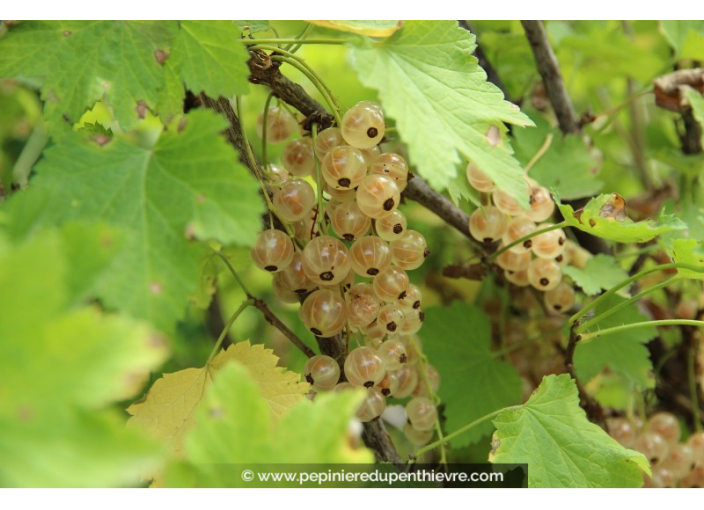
{"type": "Point", "coordinates": [590, 406]}
{"type": "Point", "coordinates": [549, 70]}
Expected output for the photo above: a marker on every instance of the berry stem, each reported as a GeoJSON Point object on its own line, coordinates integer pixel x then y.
{"type": "Point", "coordinates": [539, 153]}
{"type": "Point", "coordinates": [462, 430]}
{"type": "Point", "coordinates": [597, 318]}
{"type": "Point", "coordinates": [292, 42]}
{"type": "Point", "coordinates": [523, 239]}
{"type": "Point", "coordinates": [245, 304]}
{"type": "Point", "coordinates": [587, 337]}
{"type": "Point", "coordinates": [613, 290]}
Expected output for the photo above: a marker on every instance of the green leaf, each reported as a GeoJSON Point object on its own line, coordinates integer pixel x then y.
{"type": "Point", "coordinates": [61, 365]}
{"type": "Point", "coordinates": [601, 272]}
{"type": "Point", "coordinates": [567, 166]}
{"type": "Point", "coordinates": [686, 37]}
{"type": "Point", "coordinates": [474, 383]}
{"type": "Point", "coordinates": [562, 448]}
{"type": "Point", "coordinates": [83, 62]}
{"type": "Point", "coordinates": [446, 105]}
{"type": "Point", "coordinates": [189, 184]}
{"type": "Point", "coordinates": [211, 59]}
{"type": "Point", "coordinates": [689, 251]}
{"type": "Point", "coordinates": [234, 428]}
{"type": "Point", "coordinates": [596, 218]}
{"type": "Point", "coordinates": [623, 352]}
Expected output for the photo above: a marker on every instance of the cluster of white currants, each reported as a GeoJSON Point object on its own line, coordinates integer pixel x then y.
{"type": "Point", "coordinates": [353, 279]}
{"type": "Point", "coordinates": [538, 260]}
{"type": "Point", "coordinates": [674, 463]}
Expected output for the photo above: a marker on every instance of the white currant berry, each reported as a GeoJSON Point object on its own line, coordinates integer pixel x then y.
{"type": "Point", "coordinates": [391, 227]}
{"type": "Point", "coordinates": [371, 154]}
{"type": "Point", "coordinates": [506, 203]}
{"type": "Point", "coordinates": [549, 245]}
{"type": "Point", "coordinates": [282, 293]}
{"type": "Point", "coordinates": [378, 196]}
{"type": "Point", "coordinates": [298, 157]}
{"type": "Point", "coordinates": [325, 260]}
{"type": "Point", "coordinates": [518, 278]}
{"type": "Point", "coordinates": [389, 384]}
{"type": "Point", "coordinates": [414, 349]}
{"type": "Point", "coordinates": [363, 125]}
{"type": "Point", "coordinates": [410, 251]}
{"type": "Point", "coordinates": [279, 125]}
{"type": "Point", "coordinates": [544, 274]}
{"type": "Point", "coordinates": [276, 173]}
{"type": "Point", "coordinates": [374, 334]}
{"type": "Point", "coordinates": [662, 478]}
{"type": "Point", "coordinates": [478, 179]}
{"type": "Point", "coordinates": [652, 445]}
{"type": "Point", "coordinates": [666, 425]}
{"type": "Point", "coordinates": [344, 168]}
{"type": "Point", "coordinates": [326, 141]}
{"type": "Point", "coordinates": [561, 298]}
{"type": "Point", "coordinates": [294, 200]}
{"type": "Point", "coordinates": [390, 284]}
{"type": "Point", "coordinates": [391, 165]}
{"type": "Point", "coordinates": [391, 318]}
{"type": "Point", "coordinates": [407, 381]}
{"type": "Point", "coordinates": [340, 195]}
{"type": "Point", "coordinates": [369, 255]}
{"type": "Point", "coordinates": [272, 251]}
{"type": "Point", "coordinates": [421, 413]}
{"type": "Point", "coordinates": [417, 437]}
{"type": "Point", "coordinates": [511, 261]}
{"type": "Point", "coordinates": [411, 299]}
{"type": "Point", "coordinates": [372, 406]}
{"type": "Point", "coordinates": [432, 378]}
{"type": "Point", "coordinates": [364, 367]}
{"type": "Point", "coordinates": [324, 313]}
{"type": "Point", "coordinates": [516, 229]}
{"type": "Point", "coordinates": [696, 442]}
{"type": "Point", "coordinates": [680, 460]}
{"type": "Point", "coordinates": [578, 256]}
{"type": "Point", "coordinates": [541, 204]}
{"type": "Point", "coordinates": [349, 222]}
{"type": "Point", "coordinates": [622, 430]}
{"type": "Point", "coordinates": [413, 321]}
{"type": "Point", "coordinates": [393, 352]}
{"type": "Point", "coordinates": [487, 224]}
{"type": "Point", "coordinates": [322, 372]}
{"type": "Point", "coordinates": [293, 277]}
{"type": "Point", "coordinates": [362, 305]}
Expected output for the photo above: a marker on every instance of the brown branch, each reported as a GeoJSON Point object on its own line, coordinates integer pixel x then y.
{"type": "Point", "coordinates": [276, 322]}
{"type": "Point", "coordinates": [691, 135]}
{"type": "Point", "coordinates": [594, 411]}
{"type": "Point", "coordinates": [549, 70]}
{"type": "Point", "coordinates": [484, 63]}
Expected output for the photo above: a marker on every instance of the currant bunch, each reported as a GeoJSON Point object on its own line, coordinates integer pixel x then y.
{"type": "Point", "coordinates": [345, 256]}
{"type": "Point", "coordinates": [538, 260]}
{"type": "Point", "coordinates": [676, 460]}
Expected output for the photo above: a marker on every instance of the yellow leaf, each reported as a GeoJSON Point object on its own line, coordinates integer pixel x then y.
{"type": "Point", "coordinates": [167, 410]}
{"type": "Point", "coordinates": [380, 28]}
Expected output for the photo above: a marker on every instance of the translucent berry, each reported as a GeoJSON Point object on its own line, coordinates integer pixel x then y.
{"type": "Point", "coordinates": [276, 173]}
{"type": "Point", "coordinates": [549, 244]}
{"type": "Point", "coordinates": [322, 372]}
{"type": "Point", "coordinates": [696, 441]}
{"type": "Point", "coordinates": [414, 348]}
{"type": "Point", "coordinates": [344, 167]}
{"type": "Point", "coordinates": [680, 460]}
{"type": "Point", "coordinates": [622, 430]}
{"type": "Point", "coordinates": [369, 255]}
{"type": "Point", "coordinates": [293, 277]}
{"type": "Point", "coordinates": [393, 352]}
{"type": "Point", "coordinates": [362, 305]}
{"type": "Point", "coordinates": [432, 379]}
{"type": "Point", "coordinates": [421, 413]}
{"type": "Point", "coordinates": [541, 204]}
{"type": "Point", "coordinates": [390, 284]}
{"type": "Point", "coordinates": [511, 261]}
{"type": "Point", "coordinates": [298, 157]}
{"type": "Point", "coordinates": [279, 125]}
{"type": "Point", "coordinates": [653, 446]}
{"type": "Point", "coordinates": [391, 227]}
{"type": "Point", "coordinates": [340, 195]}
{"type": "Point", "coordinates": [413, 321]}
{"type": "Point", "coordinates": [324, 313]}
{"type": "Point", "coordinates": [372, 406]}
{"type": "Point", "coordinates": [516, 229]}
{"type": "Point", "coordinates": [389, 384]}
{"type": "Point", "coordinates": [544, 274]}
{"type": "Point", "coordinates": [665, 424]}
{"type": "Point", "coordinates": [518, 278]}
{"type": "Point", "coordinates": [349, 222]}
{"type": "Point", "coordinates": [478, 179]}
{"type": "Point", "coordinates": [391, 165]}
{"type": "Point", "coordinates": [364, 367]}
{"type": "Point", "coordinates": [407, 381]}
{"type": "Point", "coordinates": [326, 141]}
{"type": "Point", "coordinates": [374, 334]}
{"type": "Point", "coordinates": [417, 437]}
{"type": "Point", "coordinates": [391, 318]}
{"type": "Point", "coordinates": [662, 478]}
{"type": "Point", "coordinates": [578, 256]}
{"type": "Point", "coordinates": [371, 154]}
{"type": "Point", "coordinates": [272, 251]}
{"type": "Point", "coordinates": [411, 299]}
{"type": "Point", "coordinates": [561, 298]}
{"type": "Point", "coordinates": [378, 196]}
{"type": "Point", "coordinates": [325, 260]}
{"type": "Point", "coordinates": [294, 200]}
{"type": "Point", "coordinates": [488, 224]}
{"type": "Point", "coordinates": [506, 203]}
{"type": "Point", "coordinates": [410, 251]}
{"type": "Point", "coordinates": [363, 125]}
